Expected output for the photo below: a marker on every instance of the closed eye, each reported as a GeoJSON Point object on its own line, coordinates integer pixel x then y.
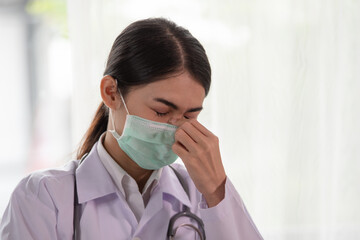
{"type": "Point", "coordinates": [161, 114]}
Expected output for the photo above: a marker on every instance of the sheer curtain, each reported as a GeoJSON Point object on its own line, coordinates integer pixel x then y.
{"type": "Point", "coordinates": [285, 100]}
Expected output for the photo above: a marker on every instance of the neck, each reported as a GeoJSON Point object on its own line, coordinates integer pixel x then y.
{"type": "Point", "coordinates": [139, 174]}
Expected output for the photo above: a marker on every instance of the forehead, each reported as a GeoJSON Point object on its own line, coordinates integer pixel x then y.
{"type": "Point", "coordinates": [181, 89]}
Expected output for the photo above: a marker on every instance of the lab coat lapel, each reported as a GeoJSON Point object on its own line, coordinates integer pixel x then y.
{"type": "Point", "coordinates": [168, 185]}
{"type": "Point", "coordinates": [92, 179]}
{"type": "Point", "coordinates": [93, 182]}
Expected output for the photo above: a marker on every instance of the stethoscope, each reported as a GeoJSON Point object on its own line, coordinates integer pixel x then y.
{"type": "Point", "coordinates": [171, 232]}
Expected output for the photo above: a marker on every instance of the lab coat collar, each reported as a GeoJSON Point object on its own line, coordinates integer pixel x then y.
{"type": "Point", "coordinates": [170, 184]}
{"type": "Point", "coordinates": [92, 179]}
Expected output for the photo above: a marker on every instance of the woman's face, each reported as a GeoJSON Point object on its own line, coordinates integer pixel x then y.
{"type": "Point", "coordinates": [172, 100]}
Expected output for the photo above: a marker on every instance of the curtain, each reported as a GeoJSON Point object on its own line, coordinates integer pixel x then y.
{"type": "Point", "coordinates": [284, 100]}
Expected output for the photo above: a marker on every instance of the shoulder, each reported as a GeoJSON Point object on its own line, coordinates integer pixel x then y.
{"type": "Point", "coordinates": [35, 180]}
{"type": "Point", "coordinates": [37, 202]}
{"type": "Point", "coordinates": [47, 185]}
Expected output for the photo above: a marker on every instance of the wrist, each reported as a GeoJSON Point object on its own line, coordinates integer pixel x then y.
{"type": "Point", "coordinates": [214, 198]}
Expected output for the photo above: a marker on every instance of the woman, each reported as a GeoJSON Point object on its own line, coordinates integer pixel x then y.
{"type": "Point", "coordinates": [154, 84]}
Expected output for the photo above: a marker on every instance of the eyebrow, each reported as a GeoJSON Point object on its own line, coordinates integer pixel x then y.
{"type": "Point", "coordinates": [174, 106]}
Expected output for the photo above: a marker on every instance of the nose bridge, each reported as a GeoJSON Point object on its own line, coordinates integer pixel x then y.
{"type": "Point", "coordinates": [176, 119]}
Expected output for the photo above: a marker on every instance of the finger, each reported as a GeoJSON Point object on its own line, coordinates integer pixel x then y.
{"type": "Point", "coordinates": [201, 128]}
{"type": "Point", "coordinates": [194, 133]}
{"type": "Point", "coordinates": [182, 137]}
{"type": "Point", "coordinates": [179, 149]}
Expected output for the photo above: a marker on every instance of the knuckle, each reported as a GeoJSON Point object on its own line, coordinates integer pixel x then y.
{"type": "Point", "coordinates": [178, 133]}
{"type": "Point", "coordinates": [196, 151]}
{"type": "Point", "coordinates": [186, 124]}
{"type": "Point", "coordinates": [207, 147]}
{"type": "Point", "coordinates": [174, 147]}
{"type": "Point", "coordinates": [192, 120]}
{"type": "Point", "coordinates": [214, 138]}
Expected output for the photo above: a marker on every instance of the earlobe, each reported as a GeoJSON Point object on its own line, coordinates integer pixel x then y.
{"type": "Point", "coordinates": [109, 92]}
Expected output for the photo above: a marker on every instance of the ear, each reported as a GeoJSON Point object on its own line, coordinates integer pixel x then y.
{"type": "Point", "coordinates": [109, 92]}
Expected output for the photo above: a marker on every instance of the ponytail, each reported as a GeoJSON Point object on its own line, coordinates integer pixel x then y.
{"type": "Point", "coordinates": [97, 127]}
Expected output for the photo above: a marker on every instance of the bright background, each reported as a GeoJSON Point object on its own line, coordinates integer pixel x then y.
{"type": "Point", "coordinates": [285, 98]}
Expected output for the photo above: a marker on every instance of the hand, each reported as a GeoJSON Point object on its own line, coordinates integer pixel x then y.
{"type": "Point", "coordinates": [199, 150]}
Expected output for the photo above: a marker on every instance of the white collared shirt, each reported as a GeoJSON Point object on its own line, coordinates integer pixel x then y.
{"type": "Point", "coordinates": [126, 184]}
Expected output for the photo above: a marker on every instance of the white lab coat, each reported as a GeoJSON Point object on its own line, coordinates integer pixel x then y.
{"type": "Point", "coordinates": [41, 207]}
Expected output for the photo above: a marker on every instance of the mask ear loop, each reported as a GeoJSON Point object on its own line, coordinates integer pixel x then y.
{"type": "Point", "coordinates": [114, 133]}
{"type": "Point", "coordinates": [122, 99]}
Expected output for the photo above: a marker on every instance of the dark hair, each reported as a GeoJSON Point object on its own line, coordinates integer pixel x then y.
{"type": "Point", "coordinates": [147, 51]}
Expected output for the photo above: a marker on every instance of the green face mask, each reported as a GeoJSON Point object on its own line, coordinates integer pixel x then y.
{"type": "Point", "coordinates": [146, 142]}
